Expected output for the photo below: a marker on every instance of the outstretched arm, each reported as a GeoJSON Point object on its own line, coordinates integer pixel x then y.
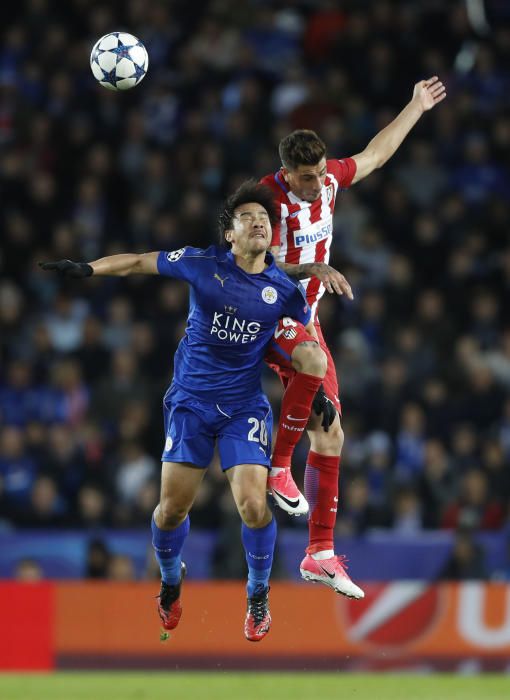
{"type": "Point", "coordinates": [426, 94]}
{"type": "Point", "coordinates": [118, 265]}
{"type": "Point", "coordinates": [127, 264]}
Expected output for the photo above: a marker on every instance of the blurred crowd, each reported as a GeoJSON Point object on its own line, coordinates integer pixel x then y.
{"type": "Point", "coordinates": [423, 352]}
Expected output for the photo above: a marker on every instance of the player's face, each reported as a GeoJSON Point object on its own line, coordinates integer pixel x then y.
{"type": "Point", "coordinates": [306, 181]}
{"type": "Point", "coordinates": [251, 230]}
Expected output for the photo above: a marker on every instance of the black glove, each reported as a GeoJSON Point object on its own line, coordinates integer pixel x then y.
{"type": "Point", "coordinates": [68, 268]}
{"type": "Point", "coordinates": [321, 404]}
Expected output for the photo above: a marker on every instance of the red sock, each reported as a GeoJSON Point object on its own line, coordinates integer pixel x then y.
{"type": "Point", "coordinates": [321, 492]}
{"type": "Point", "coordinates": [294, 414]}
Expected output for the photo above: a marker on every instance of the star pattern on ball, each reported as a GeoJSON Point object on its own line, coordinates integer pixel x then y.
{"type": "Point", "coordinates": [131, 73]}
{"type": "Point", "coordinates": [110, 77]}
{"type": "Point", "coordinates": [139, 71]}
{"type": "Point", "coordinates": [122, 51]}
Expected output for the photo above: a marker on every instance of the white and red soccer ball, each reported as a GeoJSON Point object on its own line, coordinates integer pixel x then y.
{"type": "Point", "coordinates": [119, 61]}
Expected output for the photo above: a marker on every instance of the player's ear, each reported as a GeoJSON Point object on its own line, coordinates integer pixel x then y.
{"type": "Point", "coordinates": [285, 173]}
{"type": "Point", "coordinates": [228, 235]}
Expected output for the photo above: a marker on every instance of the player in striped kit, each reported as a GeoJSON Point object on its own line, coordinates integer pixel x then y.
{"type": "Point", "coordinates": [305, 191]}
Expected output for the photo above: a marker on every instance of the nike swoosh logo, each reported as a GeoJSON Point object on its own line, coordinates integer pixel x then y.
{"type": "Point", "coordinates": [327, 572]}
{"type": "Point", "coordinates": [292, 418]}
{"type": "Point", "coordinates": [292, 504]}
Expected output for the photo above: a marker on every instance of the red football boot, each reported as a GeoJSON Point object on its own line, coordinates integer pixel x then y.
{"type": "Point", "coordinates": [258, 617]}
{"type": "Point", "coordinates": [169, 604]}
{"type": "Point", "coordinates": [332, 572]}
{"type": "Point", "coordinates": [286, 494]}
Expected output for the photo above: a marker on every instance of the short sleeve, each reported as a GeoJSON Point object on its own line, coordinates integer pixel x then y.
{"type": "Point", "coordinates": [343, 170]}
{"type": "Point", "coordinates": [297, 306]}
{"type": "Point", "coordinates": [180, 264]}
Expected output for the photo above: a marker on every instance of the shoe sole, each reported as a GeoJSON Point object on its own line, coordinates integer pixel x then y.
{"type": "Point", "coordinates": [302, 508]}
{"type": "Point", "coordinates": [313, 578]}
{"type": "Point", "coordinates": [259, 639]}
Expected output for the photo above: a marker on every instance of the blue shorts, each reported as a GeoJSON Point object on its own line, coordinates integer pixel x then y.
{"type": "Point", "coordinates": [192, 428]}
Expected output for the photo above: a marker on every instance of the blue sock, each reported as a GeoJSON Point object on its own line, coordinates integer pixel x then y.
{"type": "Point", "coordinates": [259, 547]}
{"type": "Point", "coordinates": [168, 547]}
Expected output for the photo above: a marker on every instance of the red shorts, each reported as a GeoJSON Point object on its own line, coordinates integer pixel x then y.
{"type": "Point", "coordinates": [288, 334]}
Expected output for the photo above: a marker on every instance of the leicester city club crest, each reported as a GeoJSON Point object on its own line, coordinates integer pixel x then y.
{"type": "Point", "coordinates": [269, 295]}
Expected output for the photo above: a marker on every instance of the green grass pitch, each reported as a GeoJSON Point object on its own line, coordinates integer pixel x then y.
{"type": "Point", "coordinates": [251, 686]}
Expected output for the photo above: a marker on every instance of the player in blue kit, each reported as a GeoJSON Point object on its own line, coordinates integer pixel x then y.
{"type": "Point", "coordinates": [237, 297]}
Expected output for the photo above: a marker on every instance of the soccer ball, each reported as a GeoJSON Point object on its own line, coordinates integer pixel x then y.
{"type": "Point", "coordinates": [119, 61]}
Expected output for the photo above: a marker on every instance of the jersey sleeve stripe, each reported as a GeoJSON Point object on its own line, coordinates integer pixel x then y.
{"type": "Point", "coordinates": [281, 185]}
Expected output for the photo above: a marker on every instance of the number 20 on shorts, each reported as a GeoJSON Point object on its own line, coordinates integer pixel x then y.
{"type": "Point", "coordinates": [258, 433]}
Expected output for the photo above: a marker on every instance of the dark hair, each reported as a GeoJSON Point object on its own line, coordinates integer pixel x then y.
{"type": "Point", "coordinates": [249, 191]}
{"type": "Point", "coordinates": [301, 147]}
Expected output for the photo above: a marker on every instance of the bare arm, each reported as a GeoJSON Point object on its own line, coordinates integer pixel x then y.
{"type": "Point", "coordinates": [127, 264]}
{"type": "Point", "coordinates": [333, 280]}
{"type": "Point", "coordinates": [426, 94]}
{"type": "Point", "coordinates": [119, 265]}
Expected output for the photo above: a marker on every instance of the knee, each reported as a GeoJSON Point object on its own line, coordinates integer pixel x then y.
{"type": "Point", "coordinates": [170, 514]}
{"type": "Point", "coordinates": [330, 442]}
{"type": "Point", "coordinates": [337, 433]}
{"type": "Point", "coordinates": [252, 510]}
{"type": "Point", "coordinates": [310, 358]}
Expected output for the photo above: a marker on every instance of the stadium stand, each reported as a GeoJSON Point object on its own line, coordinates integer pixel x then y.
{"type": "Point", "coordinates": [423, 351]}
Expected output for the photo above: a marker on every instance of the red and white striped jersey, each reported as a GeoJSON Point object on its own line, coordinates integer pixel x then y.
{"type": "Point", "coordinates": [305, 231]}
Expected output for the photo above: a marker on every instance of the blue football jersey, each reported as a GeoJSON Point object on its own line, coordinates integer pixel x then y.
{"type": "Point", "coordinates": [232, 317]}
